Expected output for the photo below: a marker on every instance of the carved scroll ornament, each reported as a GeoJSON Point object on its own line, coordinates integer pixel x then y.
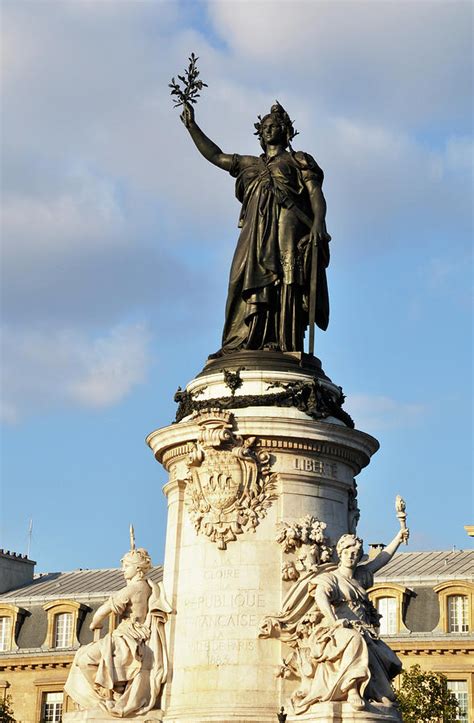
{"type": "Point", "coordinates": [230, 485]}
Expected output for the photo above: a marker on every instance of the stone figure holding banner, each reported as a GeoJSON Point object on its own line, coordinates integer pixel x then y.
{"type": "Point", "coordinates": [277, 284]}
{"type": "Point", "coordinates": [124, 672]}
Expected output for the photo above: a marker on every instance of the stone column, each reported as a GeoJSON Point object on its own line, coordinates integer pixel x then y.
{"type": "Point", "coordinates": [234, 474]}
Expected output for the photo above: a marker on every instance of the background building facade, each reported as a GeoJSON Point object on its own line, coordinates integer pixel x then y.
{"type": "Point", "coordinates": [426, 600]}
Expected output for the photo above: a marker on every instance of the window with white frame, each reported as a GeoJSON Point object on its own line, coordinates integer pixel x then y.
{"type": "Point", "coordinates": [52, 707]}
{"type": "Point", "coordinates": [387, 608]}
{"type": "Point", "coordinates": [459, 689]}
{"type": "Point", "coordinates": [458, 612]}
{"type": "Point", "coordinates": [62, 630]}
{"type": "Point", "coordinates": [5, 632]}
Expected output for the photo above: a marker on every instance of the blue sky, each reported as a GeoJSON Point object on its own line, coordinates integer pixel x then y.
{"type": "Point", "coordinates": [117, 239]}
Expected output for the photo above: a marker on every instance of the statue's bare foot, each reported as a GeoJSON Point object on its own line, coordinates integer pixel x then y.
{"type": "Point", "coordinates": [355, 700]}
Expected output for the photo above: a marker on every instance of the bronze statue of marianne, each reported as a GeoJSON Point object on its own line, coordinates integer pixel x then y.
{"type": "Point", "coordinates": [277, 284]}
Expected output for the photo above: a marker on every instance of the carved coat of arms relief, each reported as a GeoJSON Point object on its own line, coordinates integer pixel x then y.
{"type": "Point", "coordinates": [230, 484]}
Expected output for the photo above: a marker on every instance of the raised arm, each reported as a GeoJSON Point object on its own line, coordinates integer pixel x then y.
{"type": "Point", "coordinates": [388, 552]}
{"type": "Point", "coordinates": [205, 146]}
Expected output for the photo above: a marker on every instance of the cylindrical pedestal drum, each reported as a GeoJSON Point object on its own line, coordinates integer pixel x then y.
{"type": "Point", "coordinates": [238, 475]}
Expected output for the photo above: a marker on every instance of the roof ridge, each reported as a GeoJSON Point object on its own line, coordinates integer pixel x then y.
{"type": "Point", "coordinates": [82, 569]}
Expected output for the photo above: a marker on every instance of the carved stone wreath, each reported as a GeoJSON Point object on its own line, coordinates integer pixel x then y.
{"type": "Point", "coordinates": [230, 485]}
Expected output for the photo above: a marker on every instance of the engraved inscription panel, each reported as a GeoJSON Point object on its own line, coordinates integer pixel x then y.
{"type": "Point", "coordinates": [317, 466]}
{"type": "Point", "coordinates": [222, 622]}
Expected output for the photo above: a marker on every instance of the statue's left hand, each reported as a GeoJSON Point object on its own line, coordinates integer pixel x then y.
{"type": "Point", "coordinates": [321, 237]}
{"type": "Point", "coordinates": [318, 231]}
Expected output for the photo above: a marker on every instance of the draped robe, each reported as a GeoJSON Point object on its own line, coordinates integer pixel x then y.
{"type": "Point", "coordinates": [334, 658]}
{"type": "Point", "coordinates": [123, 673]}
{"type": "Point", "coordinates": [267, 301]}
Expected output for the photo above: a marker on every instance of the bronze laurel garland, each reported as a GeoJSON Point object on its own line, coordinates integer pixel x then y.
{"type": "Point", "coordinates": [310, 397]}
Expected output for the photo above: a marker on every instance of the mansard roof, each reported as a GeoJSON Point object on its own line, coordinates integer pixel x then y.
{"type": "Point", "coordinates": [428, 568]}
{"type": "Point", "coordinates": [79, 584]}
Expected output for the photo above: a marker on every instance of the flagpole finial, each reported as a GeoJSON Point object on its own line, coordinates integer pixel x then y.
{"type": "Point", "coordinates": [132, 538]}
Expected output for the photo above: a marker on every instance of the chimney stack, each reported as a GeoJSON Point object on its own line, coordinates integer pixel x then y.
{"type": "Point", "coordinates": [16, 570]}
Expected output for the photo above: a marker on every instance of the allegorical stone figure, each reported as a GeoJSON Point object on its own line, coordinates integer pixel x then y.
{"type": "Point", "coordinates": [123, 673]}
{"type": "Point", "coordinates": [282, 220]}
{"type": "Point", "coordinates": [332, 626]}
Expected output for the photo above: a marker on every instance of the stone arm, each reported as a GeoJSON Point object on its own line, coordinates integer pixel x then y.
{"type": "Point", "coordinates": [100, 615]}
{"type": "Point", "coordinates": [115, 604]}
{"type": "Point", "coordinates": [388, 552]}
{"type": "Point", "coordinates": [322, 601]}
{"type": "Point", "coordinates": [205, 146]}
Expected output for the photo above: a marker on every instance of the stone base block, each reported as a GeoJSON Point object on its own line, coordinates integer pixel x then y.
{"type": "Point", "coordinates": [223, 716]}
{"type": "Point", "coordinates": [345, 713]}
{"type": "Point", "coordinates": [99, 716]}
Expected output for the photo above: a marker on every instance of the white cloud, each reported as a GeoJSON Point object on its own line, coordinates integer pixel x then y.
{"type": "Point", "coordinates": [111, 103]}
{"type": "Point", "coordinates": [401, 61]}
{"type": "Point", "coordinates": [43, 369]}
{"type": "Point", "coordinates": [371, 413]}
{"type": "Point", "coordinates": [107, 204]}
{"type": "Point", "coordinates": [81, 212]}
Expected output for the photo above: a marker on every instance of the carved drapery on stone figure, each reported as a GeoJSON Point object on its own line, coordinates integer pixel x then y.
{"type": "Point", "coordinates": [277, 285]}
{"type": "Point", "coordinates": [124, 672]}
{"type": "Point", "coordinates": [230, 484]}
{"type": "Point", "coordinates": [331, 627]}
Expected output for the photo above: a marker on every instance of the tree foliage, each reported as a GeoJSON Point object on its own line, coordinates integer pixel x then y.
{"type": "Point", "coordinates": [6, 712]}
{"type": "Point", "coordinates": [424, 697]}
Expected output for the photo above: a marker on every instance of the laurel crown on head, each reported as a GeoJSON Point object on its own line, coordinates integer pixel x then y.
{"type": "Point", "coordinates": [278, 112]}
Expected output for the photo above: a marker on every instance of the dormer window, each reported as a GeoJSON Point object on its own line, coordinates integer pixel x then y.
{"type": "Point", "coordinates": [11, 618]}
{"type": "Point", "coordinates": [64, 621]}
{"type": "Point", "coordinates": [456, 606]}
{"type": "Point", "coordinates": [387, 608]}
{"type": "Point", "coordinates": [5, 632]}
{"type": "Point", "coordinates": [458, 614]}
{"type": "Point", "coordinates": [389, 600]}
{"type": "Point", "coordinates": [63, 624]}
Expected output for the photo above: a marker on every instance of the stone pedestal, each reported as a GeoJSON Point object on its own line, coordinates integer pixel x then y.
{"type": "Point", "coordinates": [344, 713]}
{"type": "Point", "coordinates": [234, 474]}
{"type": "Point", "coordinates": [99, 716]}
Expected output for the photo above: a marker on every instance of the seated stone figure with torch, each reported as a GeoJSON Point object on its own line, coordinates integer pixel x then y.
{"type": "Point", "coordinates": [332, 626]}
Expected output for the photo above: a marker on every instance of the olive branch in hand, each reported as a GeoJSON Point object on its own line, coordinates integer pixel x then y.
{"type": "Point", "coordinates": [190, 92]}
